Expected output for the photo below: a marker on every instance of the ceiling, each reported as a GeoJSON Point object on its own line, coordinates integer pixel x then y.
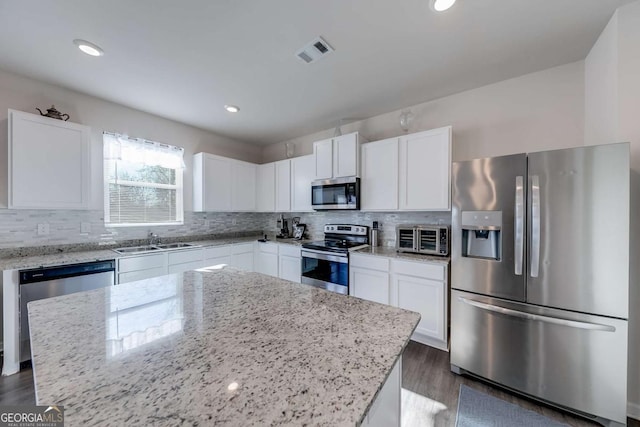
{"type": "Point", "coordinates": [185, 59]}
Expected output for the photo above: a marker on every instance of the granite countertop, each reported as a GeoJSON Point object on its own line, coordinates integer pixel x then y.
{"type": "Point", "coordinates": [29, 257]}
{"type": "Point", "coordinates": [391, 252]}
{"type": "Point", "coordinates": [224, 347]}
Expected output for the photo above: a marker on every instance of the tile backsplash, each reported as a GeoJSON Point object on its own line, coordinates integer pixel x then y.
{"type": "Point", "coordinates": [387, 221]}
{"type": "Point", "coordinates": [19, 228]}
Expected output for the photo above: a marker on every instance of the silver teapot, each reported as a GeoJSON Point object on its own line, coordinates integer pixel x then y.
{"type": "Point", "coordinates": [54, 114]}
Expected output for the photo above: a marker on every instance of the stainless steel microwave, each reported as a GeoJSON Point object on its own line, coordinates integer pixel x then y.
{"type": "Point", "coordinates": [336, 194]}
{"type": "Point", "coordinates": [423, 239]}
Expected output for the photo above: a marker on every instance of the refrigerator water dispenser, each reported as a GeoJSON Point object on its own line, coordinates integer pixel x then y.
{"type": "Point", "coordinates": [481, 235]}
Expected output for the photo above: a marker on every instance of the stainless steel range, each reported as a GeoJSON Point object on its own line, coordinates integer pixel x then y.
{"type": "Point", "coordinates": [325, 263]}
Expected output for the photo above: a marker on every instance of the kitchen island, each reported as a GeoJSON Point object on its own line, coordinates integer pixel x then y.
{"type": "Point", "coordinates": [221, 347]}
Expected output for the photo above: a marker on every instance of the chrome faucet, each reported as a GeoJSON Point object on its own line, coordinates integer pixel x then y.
{"type": "Point", "coordinates": [153, 238]}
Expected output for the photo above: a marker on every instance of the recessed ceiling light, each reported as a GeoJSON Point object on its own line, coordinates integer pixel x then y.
{"type": "Point", "coordinates": [232, 108]}
{"type": "Point", "coordinates": [441, 5]}
{"type": "Point", "coordinates": [88, 47]}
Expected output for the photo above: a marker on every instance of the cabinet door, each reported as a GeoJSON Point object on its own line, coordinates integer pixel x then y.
{"type": "Point", "coordinates": [48, 163]}
{"type": "Point", "coordinates": [266, 188]}
{"type": "Point", "coordinates": [426, 297]}
{"type": "Point", "coordinates": [217, 183]}
{"type": "Point", "coordinates": [425, 170]}
{"type": "Point", "coordinates": [379, 181]}
{"type": "Point", "coordinates": [243, 261]}
{"type": "Point", "coordinates": [323, 156]}
{"type": "Point", "coordinates": [345, 155]}
{"type": "Point", "coordinates": [289, 268]}
{"type": "Point", "coordinates": [369, 284]}
{"type": "Point", "coordinates": [243, 196]}
{"type": "Point", "coordinates": [283, 186]}
{"type": "Point", "coordinates": [267, 264]}
{"type": "Point", "coordinates": [385, 411]}
{"type": "Point", "coordinates": [301, 178]}
{"type": "Point", "coordinates": [216, 262]}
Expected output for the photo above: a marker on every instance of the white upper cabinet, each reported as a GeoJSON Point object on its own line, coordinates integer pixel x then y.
{"type": "Point", "coordinates": [379, 181]}
{"type": "Point", "coordinates": [323, 155]}
{"type": "Point", "coordinates": [49, 163]}
{"type": "Point", "coordinates": [283, 186]}
{"type": "Point", "coordinates": [266, 188]}
{"type": "Point", "coordinates": [222, 184]}
{"type": "Point", "coordinates": [301, 178]}
{"type": "Point", "coordinates": [337, 157]}
{"type": "Point", "coordinates": [211, 183]}
{"type": "Point", "coordinates": [425, 170]}
{"type": "Point", "coordinates": [243, 186]}
{"type": "Point", "coordinates": [346, 155]}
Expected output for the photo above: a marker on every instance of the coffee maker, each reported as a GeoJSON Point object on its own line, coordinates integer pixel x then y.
{"type": "Point", "coordinates": [283, 228]}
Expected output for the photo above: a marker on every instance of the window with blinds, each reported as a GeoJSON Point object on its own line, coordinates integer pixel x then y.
{"type": "Point", "coordinates": [142, 182]}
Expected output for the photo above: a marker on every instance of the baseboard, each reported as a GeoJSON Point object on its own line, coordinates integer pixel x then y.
{"type": "Point", "coordinates": [633, 410]}
{"type": "Point", "coordinates": [423, 339]}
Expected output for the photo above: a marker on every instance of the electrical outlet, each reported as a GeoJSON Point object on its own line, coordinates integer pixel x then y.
{"type": "Point", "coordinates": [43, 229]}
{"type": "Point", "coordinates": [234, 221]}
{"type": "Point", "coordinates": [207, 223]}
{"type": "Point", "coordinates": [85, 227]}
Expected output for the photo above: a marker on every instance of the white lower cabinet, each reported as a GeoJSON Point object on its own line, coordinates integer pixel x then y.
{"type": "Point", "coordinates": [369, 278]}
{"type": "Point", "coordinates": [289, 259]}
{"type": "Point", "coordinates": [184, 260]}
{"type": "Point", "coordinates": [266, 261]}
{"type": "Point", "coordinates": [242, 256]}
{"type": "Point", "coordinates": [385, 409]}
{"type": "Point", "coordinates": [419, 286]}
{"type": "Point", "coordinates": [141, 267]}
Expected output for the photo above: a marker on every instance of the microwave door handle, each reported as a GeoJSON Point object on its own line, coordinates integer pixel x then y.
{"type": "Point", "coordinates": [519, 226]}
{"type": "Point", "coordinates": [535, 225]}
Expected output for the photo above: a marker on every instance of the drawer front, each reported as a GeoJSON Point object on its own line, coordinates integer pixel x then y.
{"type": "Point", "coordinates": [184, 256]}
{"type": "Point", "coordinates": [179, 268]}
{"type": "Point", "coordinates": [420, 269]}
{"type": "Point", "coordinates": [370, 262]}
{"type": "Point", "coordinates": [270, 248]}
{"type": "Point", "coordinates": [217, 251]}
{"type": "Point", "coordinates": [242, 248]}
{"type": "Point", "coordinates": [289, 250]}
{"type": "Point", "coordinates": [141, 274]}
{"type": "Point", "coordinates": [145, 262]}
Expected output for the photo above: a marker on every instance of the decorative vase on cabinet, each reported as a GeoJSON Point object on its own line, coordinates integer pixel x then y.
{"type": "Point", "coordinates": [49, 163]}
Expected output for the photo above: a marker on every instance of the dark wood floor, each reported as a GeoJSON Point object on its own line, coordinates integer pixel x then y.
{"type": "Point", "coordinates": [429, 395]}
{"type": "Point", "coordinates": [430, 392]}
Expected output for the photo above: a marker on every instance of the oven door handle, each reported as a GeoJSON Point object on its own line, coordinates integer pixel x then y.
{"type": "Point", "coordinates": [312, 253]}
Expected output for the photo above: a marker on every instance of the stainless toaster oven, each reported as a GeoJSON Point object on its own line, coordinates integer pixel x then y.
{"type": "Point", "coordinates": [423, 239]}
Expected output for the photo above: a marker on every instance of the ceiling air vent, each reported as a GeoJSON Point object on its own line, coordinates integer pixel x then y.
{"type": "Point", "coordinates": [314, 50]}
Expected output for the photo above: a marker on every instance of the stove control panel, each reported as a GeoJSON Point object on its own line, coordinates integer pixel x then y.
{"type": "Point", "coordinates": [354, 230]}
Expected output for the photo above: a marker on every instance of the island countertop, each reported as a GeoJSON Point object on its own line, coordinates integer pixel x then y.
{"type": "Point", "coordinates": [224, 347]}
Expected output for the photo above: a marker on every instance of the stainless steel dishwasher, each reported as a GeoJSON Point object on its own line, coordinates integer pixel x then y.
{"type": "Point", "coordinates": [48, 282]}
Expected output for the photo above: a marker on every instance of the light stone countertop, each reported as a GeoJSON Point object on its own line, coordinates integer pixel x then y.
{"type": "Point", "coordinates": [78, 256]}
{"type": "Point", "coordinates": [224, 347]}
{"type": "Point", "coordinates": [391, 252]}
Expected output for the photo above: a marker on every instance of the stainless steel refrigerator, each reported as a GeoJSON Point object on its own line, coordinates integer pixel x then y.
{"type": "Point", "coordinates": [540, 275]}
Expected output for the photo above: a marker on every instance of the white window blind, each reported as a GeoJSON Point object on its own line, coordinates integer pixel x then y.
{"type": "Point", "coordinates": [142, 182]}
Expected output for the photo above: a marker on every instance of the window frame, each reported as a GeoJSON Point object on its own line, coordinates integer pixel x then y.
{"type": "Point", "coordinates": [179, 187]}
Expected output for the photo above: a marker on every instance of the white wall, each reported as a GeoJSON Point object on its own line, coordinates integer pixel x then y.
{"type": "Point", "coordinates": [24, 94]}
{"type": "Point", "coordinates": [534, 112]}
{"type": "Point", "coordinates": [601, 88]}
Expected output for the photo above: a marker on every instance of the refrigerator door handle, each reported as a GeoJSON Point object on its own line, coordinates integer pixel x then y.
{"type": "Point", "coordinates": [538, 317]}
{"type": "Point", "coordinates": [535, 225]}
{"type": "Point", "coordinates": [519, 225]}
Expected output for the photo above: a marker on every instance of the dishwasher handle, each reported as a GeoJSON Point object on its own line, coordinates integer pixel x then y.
{"type": "Point", "coordinates": [42, 274]}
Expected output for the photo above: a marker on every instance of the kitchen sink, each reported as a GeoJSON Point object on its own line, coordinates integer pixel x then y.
{"type": "Point", "coordinates": [135, 249]}
{"type": "Point", "coordinates": [176, 245]}
{"type": "Point", "coordinates": [150, 248]}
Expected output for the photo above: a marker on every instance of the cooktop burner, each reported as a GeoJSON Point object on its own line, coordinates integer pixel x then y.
{"type": "Point", "coordinates": [341, 238]}
{"type": "Point", "coordinates": [334, 245]}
